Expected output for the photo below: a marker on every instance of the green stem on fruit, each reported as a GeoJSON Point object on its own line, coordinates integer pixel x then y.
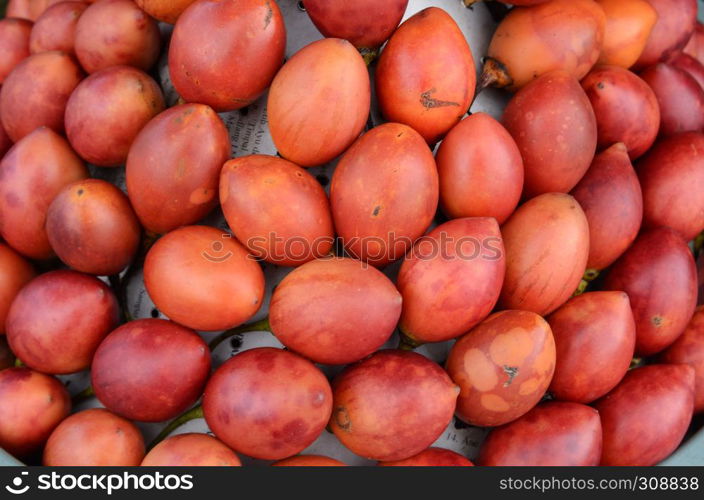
{"type": "Point", "coordinates": [192, 414]}
{"type": "Point", "coordinates": [635, 363]}
{"type": "Point", "coordinates": [82, 396]}
{"type": "Point", "coordinates": [18, 363]}
{"type": "Point", "coordinates": [406, 343]}
{"type": "Point", "coordinates": [583, 285]}
{"type": "Point", "coordinates": [590, 275]}
{"type": "Point", "coordinates": [257, 326]}
{"type": "Point", "coordinates": [369, 55]}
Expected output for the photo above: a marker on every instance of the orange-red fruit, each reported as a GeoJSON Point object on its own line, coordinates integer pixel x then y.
{"type": "Point", "coordinates": [94, 438]}
{"type": "Point", "coordinates": [625, 107]}
{"type": "Point", "coordinates": [56, 28]}
{"type": "Point", "coordinates": [334, 310]}
{"type": "Point", "coordinates": [392, 405]}
{"type": "Point", "coordinates": [32, 173]}
{"type": "Point", "coordinates": [319, 102]}
{"type": "Point", "coordinates": [695, 46]}
{"type": "Point", "coordinates": [279, 401]}
{"type": "Point", "coordinates": [114, 33]}
{"type": "Point", "coordinates": [164, 10]}
{"type": "Point", "coordinates": [15, 272]}
{"type": "Point", "coordinates": [557, 141]}
{"type": "Point", "coordinates": [595, 335]}
{"type": "Point", "coordinates": [376, 224]}
{"type": "Point", "coordinates": [480, 170]}
{"type": "Point", "coordinates": [503, 367]}
{"type": "Point", "coordinates": [672, 177]}
{"type": "Point", "coordinates": [659, 275]}
{"type": "Point", "coordinates": [451, 279]}
{"type": "Point", "coordinates": [29, 9]}
{"type": "Point", "coordinates": [191, 450]}
{"type": "Point", "coordinates": [690, 65]}
{"type": "Point", "coordinates": [426, 77]}
{"type": "Point", "coordinates": [432, 457]}
{"type": "Point", "coordinates": [201, 277]}
{"type": "Point", "coordinates": [226, 53]}
{"type": "Point", "coordinates": [671, 32]}
{"type": "Point", "coordinates": [610, 195]}
{"type": "Point", "coordinates": [173, 167]}
{"type": "Point", "coordinates": [276, 209]}
{"type": "Point", "coordinates": [14, 40]}
{"type": "Point", "coordinates": [646, 416]}
{"type": "Point", "coordinates": [628, 27]}
{"type": "Point", "coordinates": [308, 461]}
{"type": "Point", "coordinates": [547, 246]}
{"type": "Point", "coordinates": [551, 434]}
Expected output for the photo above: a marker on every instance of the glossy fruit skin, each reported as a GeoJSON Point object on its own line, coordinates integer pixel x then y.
{"type": "Point", "coordinates": [31, 174]}
{"type": "Point", "coordinates": [276, 209]}
{"type": "Point", "coordinates": [562, 35]}
{"type": "Point", "coordinates": [280, 402]}
{"type": "Point", "coordinates": [558, 141]}
{"type": "Point", "coordinates": [595, 336]}
{"type": "Point", "coordinates": [133, 370]}
{"type": "Point", "coordinates": [238, 68]}
{"type": "Point", "coordinates": [319, 102]}
{"type": "Point", "coordinates": [392, 405]}
{"type": "Point", "coordinates": [646, 416]}
{"type": "Point", "coordinates": [173, 167]}
{"type": "Point", "coordinates": [659, 275]}
{"type": "Point", "coordinates": [191, 450]}
{"type": "Point", "coordinates": [625, 107]}
{"type": "Point", "coordinates": [32, 405]}
{"type": "Point", "coordinates": [689, 65]}
{"type": "Point", "coordinates": [376, 224]}
{"type": "Point", "coordinates": [366, 24]}
{"type": "Point", "coordinates": [547, 246]}
{"type": "Point", "coordinates": [308, 461]}
{"type": "Point", "coordinates": [14, 39]}
{"type": "Point", "coordinates": [672, 177]}
{"type": "Point", "coordinates": [610, 195]}
{"type": "Point", "coordinates": [92, 228]}
{"type": "Point", "coordinates": [36, 92]}
{"type": "Point", "coordinates": [551, 434]}
{"type": "Point", "coordinates": [689, 349]}
{"type": "Point", "coordinates": [164, 10]}
{"type": "Point", "coordinates": [680, 97]}
{"type": "Point", "coordinates": [503, 367]}
{"type": "Point", "coordinates": [116, 32]}
{"type": "Point", "coordinates": [55, 29]}
{"type": "Point", "coordinates": [107, 110]}
{"type": "Point", "coordinates": [203, 278]}
{"type": "Point", "coordinates": [628, 27]}
{"type": "Point", "coordinates": [15, 273]}
{"type": "Point", "coordinates": [426, 77]}
{"type": "Point", "coordinates": [334, 310]}
{"type": "Point", "coordinates": [432, 457]}
{"type": "Point", "coordinates": [451, 279]}
{"type": "Point", "coordinates": [671, 32]}
{"type": "Point", "coordinates": [95, 438]}
{"type": "Point", "coordinates": [77, 312]}
{"type": "Point", "coordinates": [480, 169]}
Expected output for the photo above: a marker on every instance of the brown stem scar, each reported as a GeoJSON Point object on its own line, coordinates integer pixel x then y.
{"type": "Point", "coordinates": [511, 372]}
{"type": "Point", "coordinates": [430, 102]}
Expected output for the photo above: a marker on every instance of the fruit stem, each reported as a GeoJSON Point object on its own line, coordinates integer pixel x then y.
{"type": "Point", "coordinates": [583, 285]}
{"type": "Point", "coordinates": [18, 363]}
{"type": "Point", "coordinates": [494, 74]}
{"type": "Point", "coordinates": [192, 414]}
{"type": "Point", "coordinates": [635, 363]}
{"type": "Point", "coordinates": [406, 343]}
{"type": "Point", "coordinates": [257, 326]}
{"type": "Point", "coordinates": [82, 396]}
{"type": "Point", "coordinates": [590, 275]}
{"type": "Point", "coordinates": [369, 55]}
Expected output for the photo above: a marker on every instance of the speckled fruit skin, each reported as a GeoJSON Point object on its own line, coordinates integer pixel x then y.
{"type": "Point", "coordinates": [432, 457]}
{"type": "Point", "coordinates": [547, 246]}
{"type": "Point", "coordinates": [334, 310]}
{"type": "Point", "coordinates": [611, 197]}
{"type": "Point", "coordinates": [308, 461]}
{"type": "Point", "coordinates": [451, 279]}
{"type": "Point", "coordinates": [107, 110]}
{"type": "Point", "coordinates": [690, 65]}
{"type": "Point", "coordinates": [556, 35]}
{"type": "Point", "coordinates": [551, 434]}
{"type": "Point", "coordinates": [628, 27]}
{"type": "Point", "coordinates": [480, 170]}
{"type": "Point", "coordinates": [133, 370]}
{"type": "Point", "coordinates": [558, 141]}
{"type": "Point", "coordinates": [319, 102]}
{"type": "Point", "coordinates": [15, 273]}
{"type": "Point", "coordinates": [55, 29]}
{"type": "Point", "coordinates": [659, 275]}
{"type": "Point", "coordinates": [94, 438]}
{"type": "Point", "coordinates": [14, 39]}
{"type": "Point", "coordinates": [77, 311]}
{"type": "Point", "coordinates": [503, 367]}
{"type": "Point", "coordinates": [646, 416]}
{"type": "Point", "coordinates": [191, 450]}
{"type": "Point", "coordinates": [276, 209]}
{"type": "Point", "coordinates": [173, 167]}
{"type": "Point", "coordinates": [377, 224]}
{"type": "Point", "coordinates": [217, 284]}
{"type": "Point", "coordinates": [164, 10]}
{"type": "Point", "coordinates": [31, 174]}
{"type": "Point", "coordinates": [671, 32]}
{"type": "Point", "coordinates": [672, 177]}
{"type": "Point", "coordinates": [365, 23]}
{"type": "Point", "coordinates": [625, 107]}
{"type": "Point", "coordinates": [238, 68]}
{"type": "Point", "coordinates": [116, 32]}
{"type": "Point", "coordinates": [267, 403]}
{"type": "Point", "coordinates": [426, 77]}
{"type": "Point", "coordinates": [36, 93]}
{"type": "Point", "coordinates": [32, 405]}
{"type": "Point", "coordinates": [392, 405]}
{"type": "Point", "coordinates": [595, 335]}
